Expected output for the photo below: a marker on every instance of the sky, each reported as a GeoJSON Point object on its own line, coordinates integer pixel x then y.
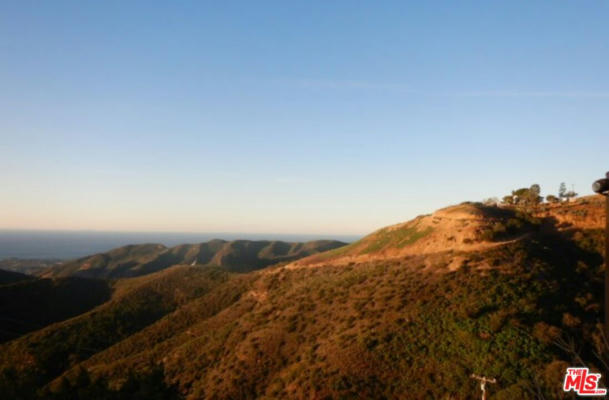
{"type": "Point", "coordinates": [310, 117]}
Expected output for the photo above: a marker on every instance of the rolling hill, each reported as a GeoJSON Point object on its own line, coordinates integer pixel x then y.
{"type": "Point", "coordinates": [234, 256]}
{"type": "Point", "coordinates": [409, 311]}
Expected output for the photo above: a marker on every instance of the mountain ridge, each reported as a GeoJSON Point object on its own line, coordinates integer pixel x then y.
{"type": "Point", "coordinates": [235, 256]}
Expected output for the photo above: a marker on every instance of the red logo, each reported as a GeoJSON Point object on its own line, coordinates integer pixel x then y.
{"type": "Point", "coordinates": [583, 382]}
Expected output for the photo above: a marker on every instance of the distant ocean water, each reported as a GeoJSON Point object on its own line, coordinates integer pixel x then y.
{"type": "Point", "coordinates": [73, 244]}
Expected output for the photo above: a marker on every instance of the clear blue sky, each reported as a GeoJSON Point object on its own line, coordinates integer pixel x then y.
{"type": "Point", "coordinates": [320, 117]}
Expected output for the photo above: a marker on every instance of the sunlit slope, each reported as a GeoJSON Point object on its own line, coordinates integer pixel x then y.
{"type": "Point", "coordinates": [464, 228]}
{"type": "Point", "coordinates": [583, 213]}
{"type": "Point", "coordinates": [379, 329]}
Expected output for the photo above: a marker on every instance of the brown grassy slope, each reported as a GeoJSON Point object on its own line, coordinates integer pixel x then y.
{"type": "Point", "coordinates": [460, 228]}
{"type": "Point", "coordinates": [465, 227]}
{"type": "Point", "coordinates": [584, 213]}
{"type": "Point", "coordinates": [384, 327]}
{"type": "Point", "coordinates": [373, 330]}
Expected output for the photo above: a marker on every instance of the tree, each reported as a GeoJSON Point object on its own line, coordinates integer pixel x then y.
{"type": "Point", "coordinates": [562, 190]}
{"type": "Point", "coordinates": [570, 194]}
{"type": "Point", "coordinates": [535, 189]}
{"type": "Point", "coordinates": [527, 196]}
{"type": "Point", "coordinates": [534, 197]}
{"type": "Point", "coordinates": [509, 199]}
{"type": "Point", "coordinates": [552, 199]}
{"type": "Point", "coordinates": [520, 195]}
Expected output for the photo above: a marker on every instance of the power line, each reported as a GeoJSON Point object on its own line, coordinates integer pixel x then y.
{"type": "Point", "coordinates": [483, 381]}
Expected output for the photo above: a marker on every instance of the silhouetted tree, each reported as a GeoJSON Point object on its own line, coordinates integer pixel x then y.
{"type": "Point", "coordinates": [534, 197]}
{"type": "Point", "coordinates": [527, 196]}
{"type": "Point", "coordinates": [520, 195]}
{"type": "Point", "coordinates": [552, 199]}
{"type": "Point", "coordinates": [570, 195]}
{"type": "Point", "coordinates": [562, 190]}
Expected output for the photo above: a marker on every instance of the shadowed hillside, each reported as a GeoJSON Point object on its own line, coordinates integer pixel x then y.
{"type": "Point", "coordinates": [413, 309]}
{"type": "Point", "coordinates": [234, 256]}
{"type": "Point", "coordinates": [7, 277]}
{"type": "Point", "coordinates": [135, 304]}
{"type": "Point", "coordinates": [31, 303]}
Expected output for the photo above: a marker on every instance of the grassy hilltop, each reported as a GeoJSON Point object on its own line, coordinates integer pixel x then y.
{"type": "Point", "coordinates": [409, 311]}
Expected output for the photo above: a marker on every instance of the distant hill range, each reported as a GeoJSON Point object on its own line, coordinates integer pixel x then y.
{"type": "Point", "coordinates": [30, 266]}
{"type": "Point", "coordinates": [64, 290]}
{"type": "Point", "coordinates": [234, 256]}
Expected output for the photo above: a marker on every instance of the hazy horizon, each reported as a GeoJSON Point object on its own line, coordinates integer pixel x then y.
{"type": "Point", "coordinates": [322, 118]}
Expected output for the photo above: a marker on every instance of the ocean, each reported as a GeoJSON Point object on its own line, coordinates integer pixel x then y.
{"type": "Point", "coordinates": [73, 244]}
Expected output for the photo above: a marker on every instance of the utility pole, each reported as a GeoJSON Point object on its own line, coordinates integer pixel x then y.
{"type": "Point", "coordinates": [602, 187]}
{"type": "Point", "coordinates": [483, 381]}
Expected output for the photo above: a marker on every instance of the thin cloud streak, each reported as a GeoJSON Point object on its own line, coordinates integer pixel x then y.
{"type": "Point", "coordinates": [516, 93]}
{"type": "Point", "coordinates": [395, 87]}
{"type": "Point", "coordinates": [347, 84]}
